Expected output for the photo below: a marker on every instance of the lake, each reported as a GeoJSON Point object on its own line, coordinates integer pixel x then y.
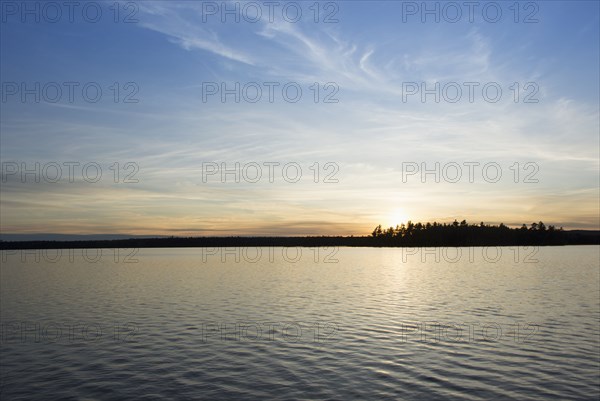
{"type": "Point", "coordinates": [301, 323]}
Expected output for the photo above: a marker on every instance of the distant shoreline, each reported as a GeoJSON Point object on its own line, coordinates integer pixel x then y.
{"type": "Point", "coordinates": [576, 237]}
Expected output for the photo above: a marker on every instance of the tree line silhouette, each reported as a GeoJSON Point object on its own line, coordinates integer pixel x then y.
{"type": "Point", "coordinates": [464, 234]}
{"type": "Point", "coordinates": [404, 235]}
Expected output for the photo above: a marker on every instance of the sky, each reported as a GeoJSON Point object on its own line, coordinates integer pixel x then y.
{"type": "Point", "coordinates": [193, 118]}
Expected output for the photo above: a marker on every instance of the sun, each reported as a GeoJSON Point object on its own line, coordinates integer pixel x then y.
{"type": "Point", "coordinates": [397, 217]}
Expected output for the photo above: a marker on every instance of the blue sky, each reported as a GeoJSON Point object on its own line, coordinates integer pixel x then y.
{"type": "Point", "coordinates": [371, 58]}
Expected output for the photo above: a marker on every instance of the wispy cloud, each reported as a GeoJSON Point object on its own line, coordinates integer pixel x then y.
{"type": "Point", "coordinates": [169, 19]}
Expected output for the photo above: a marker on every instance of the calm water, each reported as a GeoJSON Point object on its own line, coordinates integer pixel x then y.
{"type": "Point", "coordinates": [401, 324]}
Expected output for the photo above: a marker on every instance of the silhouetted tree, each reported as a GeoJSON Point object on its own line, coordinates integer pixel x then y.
{"type": "Point", "coordinates": [377, 231]}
